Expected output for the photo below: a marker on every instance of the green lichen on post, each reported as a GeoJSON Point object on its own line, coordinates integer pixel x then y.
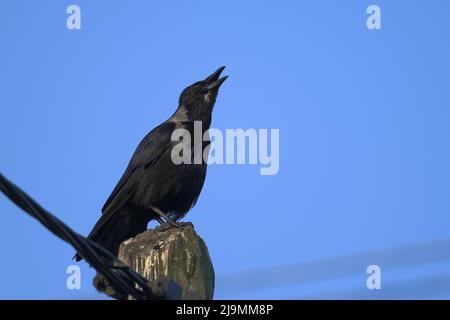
{"type": "Point", "coordinates": [178, 254]}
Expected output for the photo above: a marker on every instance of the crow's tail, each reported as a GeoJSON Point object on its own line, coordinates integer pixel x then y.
{"type": "Point", "coordinates": [122, 225]}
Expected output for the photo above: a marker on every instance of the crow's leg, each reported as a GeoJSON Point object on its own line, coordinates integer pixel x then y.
{"type": "Point", "coordinates": [162, 215]}
{"type": "Point", "coordinates": [160, 221]}
{"type": "Point", "coordinates": [164, 218]}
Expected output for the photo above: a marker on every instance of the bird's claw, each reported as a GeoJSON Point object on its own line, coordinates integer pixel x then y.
{"type": "Point", "coordinates": [169, 224]}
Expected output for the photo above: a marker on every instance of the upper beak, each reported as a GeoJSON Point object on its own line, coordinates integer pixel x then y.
{"type": "Point", "coordinates": [213, 80]}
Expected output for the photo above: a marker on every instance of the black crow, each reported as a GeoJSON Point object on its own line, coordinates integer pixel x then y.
{"type": "Point", "coordinates": [153, 186]}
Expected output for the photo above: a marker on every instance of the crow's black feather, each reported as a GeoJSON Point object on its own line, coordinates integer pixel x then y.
{"type": "Point", "coordinates": [151, 179]}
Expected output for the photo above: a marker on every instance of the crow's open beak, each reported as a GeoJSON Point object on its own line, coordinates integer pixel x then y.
{"type": "Point", "coordinates": [213, 80]}
{"type": "Point", "coordinates": [216, 84]}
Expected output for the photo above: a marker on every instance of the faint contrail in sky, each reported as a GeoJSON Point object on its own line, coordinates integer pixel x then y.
{"type": "Point", "coordinates": [431, 287]}
{"type": "Point", "coordinates": [335, 267]}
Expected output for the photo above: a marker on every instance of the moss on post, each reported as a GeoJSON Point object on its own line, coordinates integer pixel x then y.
{"type": "Point", "coordinates": [175, 258]}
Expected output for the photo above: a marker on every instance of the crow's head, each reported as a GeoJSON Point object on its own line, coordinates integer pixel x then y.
{"type": "Point", "coordinates": [200, 96]}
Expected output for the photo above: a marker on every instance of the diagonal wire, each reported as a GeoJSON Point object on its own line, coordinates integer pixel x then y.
{"type": "Point", "coordinates": [119, 276]}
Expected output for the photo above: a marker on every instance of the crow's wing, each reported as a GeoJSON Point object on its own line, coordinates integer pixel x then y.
{"type": "Point", "coordinates": [146, 155]}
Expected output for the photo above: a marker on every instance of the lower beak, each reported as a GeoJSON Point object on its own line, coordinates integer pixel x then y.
{"type": "Point", "coordinates": [213, 77]}
{"type": "Point", "coordinates": [216, 84]}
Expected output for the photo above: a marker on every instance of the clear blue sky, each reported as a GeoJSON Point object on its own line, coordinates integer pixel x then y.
{"type": "Point", "coordinates": [363, 118]}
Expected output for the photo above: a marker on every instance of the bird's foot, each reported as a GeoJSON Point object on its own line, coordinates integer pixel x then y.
{"type": "Point", "coordinates": [165, 222]}
{"type": "Point", "coordinates": [169, 224]}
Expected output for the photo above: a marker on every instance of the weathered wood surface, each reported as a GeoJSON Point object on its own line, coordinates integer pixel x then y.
{"type": "Point", "coordinates": [174, 260]}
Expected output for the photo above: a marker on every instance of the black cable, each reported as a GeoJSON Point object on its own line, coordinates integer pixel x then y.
{"type": "Point", "coordinates": [119, 276]}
